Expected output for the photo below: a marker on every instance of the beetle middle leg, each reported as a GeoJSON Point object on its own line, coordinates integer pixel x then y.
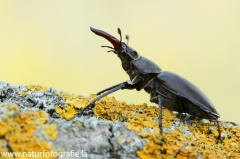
{"type": "Point", "coordinates": [182, 104]}
{"type": "Point", "coordinates": [179, 106]}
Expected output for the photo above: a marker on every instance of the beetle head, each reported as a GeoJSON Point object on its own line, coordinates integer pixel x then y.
{"type": "Point", "coordinates": [123, 51]}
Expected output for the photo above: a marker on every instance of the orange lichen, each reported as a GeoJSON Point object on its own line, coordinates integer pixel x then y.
{"type": "Point", "coordinates": [211, 156]}
{"type": "Point", "coordinates": [202, 140]}
{"type": "Point", "coordinates": [17, 131]}
{"type": "Point", "coordinates": [238, 133]}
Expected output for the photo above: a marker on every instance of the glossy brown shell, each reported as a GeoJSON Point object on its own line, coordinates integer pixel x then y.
{"type": "Point", "coordinates": [180, 86]}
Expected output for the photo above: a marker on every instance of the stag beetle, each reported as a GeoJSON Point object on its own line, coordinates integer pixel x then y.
{"type": "Point", "coordinates": [165, 88]}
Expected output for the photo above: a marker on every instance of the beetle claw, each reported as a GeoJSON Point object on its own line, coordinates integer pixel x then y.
{"type": "Point", "coordinates": [87, 110]}
{"type": "Point", "coordinates": [163, 140]}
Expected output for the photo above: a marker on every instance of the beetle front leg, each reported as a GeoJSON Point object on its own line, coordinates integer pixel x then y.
{"type": "Point", "coordinates": [124, 85]}
{"type": "Point", "coordinates": [160, 117]}
{"type": "Point", "coordinates": [107, 89]}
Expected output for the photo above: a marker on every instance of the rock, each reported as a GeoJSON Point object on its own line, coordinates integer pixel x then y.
{"type": "Point", "coordinates": [38, 119]}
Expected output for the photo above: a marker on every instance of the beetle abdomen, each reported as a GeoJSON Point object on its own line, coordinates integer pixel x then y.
{"type": "Point", "coordinates": [192, 96]}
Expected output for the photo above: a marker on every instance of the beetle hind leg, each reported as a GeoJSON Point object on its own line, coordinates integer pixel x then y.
{"type": "Point", "coordinates": [219, 131]}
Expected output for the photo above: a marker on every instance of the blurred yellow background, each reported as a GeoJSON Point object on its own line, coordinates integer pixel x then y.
{"type": "Point", "coordinates": [50, 43]}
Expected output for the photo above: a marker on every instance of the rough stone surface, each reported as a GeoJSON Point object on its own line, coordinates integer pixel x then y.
{"type": "Point", "coordinates": [39, 118]}
{"type": "Point", "coordinates": [99, 137]}
{"type": "Point", "coordinates": [96, 137]}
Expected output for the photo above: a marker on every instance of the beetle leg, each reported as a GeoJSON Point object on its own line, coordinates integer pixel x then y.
{"type": "Point", "coordinates": [107, 89]}
{"type": "Point", "coordinates": [178, 104]}
{"type": "Point", "coordinates": [219, 131]}
{"type": "Point", "coordinates": [124, 85]}
{"type": "Point", "coordinates": [160, 117]}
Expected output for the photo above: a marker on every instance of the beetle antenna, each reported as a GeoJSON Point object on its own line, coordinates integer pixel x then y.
{"type": "Point", "coordinates": [108, 47]}
{"type": "Point", "coordinates": [127, 38]}
{"type": "Point", "coordinates": [119, 32]}
{"type": "Point", "coordinates": [111, 51]}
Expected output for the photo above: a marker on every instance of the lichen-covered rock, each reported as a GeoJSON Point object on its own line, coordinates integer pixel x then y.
{"type": "Point", "coordinates": [25, 130]}
{"type": "Point", "coordinates": [37, 118]}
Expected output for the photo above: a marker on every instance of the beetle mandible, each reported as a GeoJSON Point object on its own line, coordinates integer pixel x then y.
{"type": "Point", "coordinates": [165, 88]}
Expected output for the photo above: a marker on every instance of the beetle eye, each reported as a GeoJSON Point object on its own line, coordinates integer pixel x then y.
{"type": "Point", "coordinates": [136, 53]}
{"type": "Point", "coordinates": [123, 46]}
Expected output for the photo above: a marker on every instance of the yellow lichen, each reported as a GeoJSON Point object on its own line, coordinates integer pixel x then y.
{"type": "Point", "coordinates": [120, 138]}
{"type": "Point", "coordinates": [128, 140]}
{"type": "Point", "coordinates": [51, 131]}
{"type": "Point", "coordinates": [137, 117]}
{"type": "Point", "coordinates": [203, 139]}
{"type": "Point", "coordinates": [79, 124]}
{"type": "Point", "coordinates": [37, 88]}
{"type": "Point", "coordinates": [67, 113]}
{"type": "Point", "coordinates": [17, 131]}
{"type": "Point", "coordinates": [73, 102]}
{"type": "Point", "coordinates": [30, 88]}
